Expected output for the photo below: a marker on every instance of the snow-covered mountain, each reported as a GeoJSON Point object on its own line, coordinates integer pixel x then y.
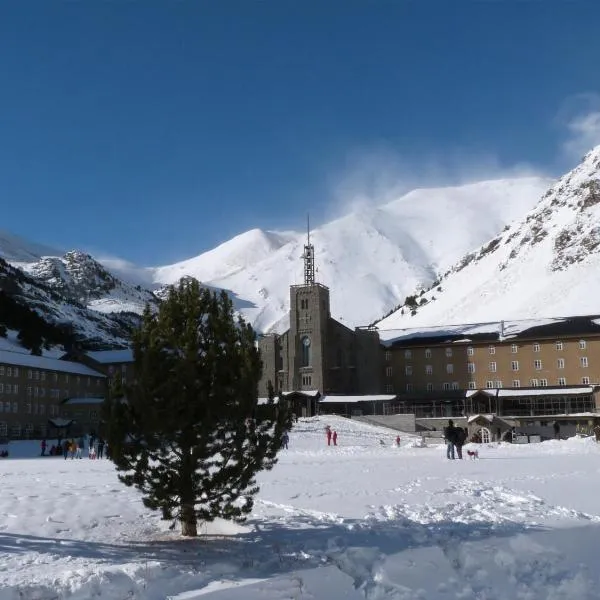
{"type": "Point", "coordinates": [81, 279]}
{"type": "Point", "coordinates": [371, 258]}
{"type": "Point", "coordinates": [544, 265]}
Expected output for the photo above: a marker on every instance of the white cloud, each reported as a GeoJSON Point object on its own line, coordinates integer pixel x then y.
{"type": "Point", "coordinates": [580, 116]}
{"type": "Point", "coordinates": [375, 176]}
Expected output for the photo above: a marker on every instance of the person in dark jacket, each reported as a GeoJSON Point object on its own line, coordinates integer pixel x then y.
{"type": "Point", "coordinates": [461, 438]}
{"type": "Point", "coordinates": [450, 437]}
{"type": "Point", "coordinates": [556, 430]}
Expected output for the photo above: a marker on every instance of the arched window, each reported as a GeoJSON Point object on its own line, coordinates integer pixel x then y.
{"type": "Point", "coordinates": [306, 351]}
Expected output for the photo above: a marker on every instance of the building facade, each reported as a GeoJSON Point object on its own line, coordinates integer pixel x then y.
{"type": "Point", "coordinates": [33, 390]}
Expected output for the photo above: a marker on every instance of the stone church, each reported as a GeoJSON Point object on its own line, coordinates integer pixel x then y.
{"type": "Point", "coordinates": [317, 353]}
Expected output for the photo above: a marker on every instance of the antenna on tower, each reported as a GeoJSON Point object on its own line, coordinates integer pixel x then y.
{"type": "Point", "coordinates": [309, 257]}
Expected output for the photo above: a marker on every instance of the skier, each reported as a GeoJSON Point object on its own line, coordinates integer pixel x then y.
{"type": "Point", "coordinates": [43, 445]}
{"type": "Point", "coordinates": [398, 441]}
{"type": "Point", "coordinates": [285, 440]}
{"type": "Point", "coordinates": [335, 438]}
{"type": "Point", "coordinates": [328, 432]}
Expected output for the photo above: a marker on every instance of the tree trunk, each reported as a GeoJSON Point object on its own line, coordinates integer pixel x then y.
{"type": "Point", "coordinates": [188, 521]}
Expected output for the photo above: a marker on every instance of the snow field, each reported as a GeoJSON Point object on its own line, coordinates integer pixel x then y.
{"type": "Point", "coordinates": [361, 520]}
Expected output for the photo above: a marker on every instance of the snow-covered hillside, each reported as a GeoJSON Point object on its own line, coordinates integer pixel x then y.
{"type": "Point", "coordinates": [371, 258]}
{"type": "Point", "coordinates": [80, 278]}
{"type": "Point", "coordinates": [16, 249]}
{"type": "Point", "coordinates": [545, 265]}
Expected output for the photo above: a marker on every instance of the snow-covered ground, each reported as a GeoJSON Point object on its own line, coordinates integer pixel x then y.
{"type": "Point", "coordinates": [361, 520]}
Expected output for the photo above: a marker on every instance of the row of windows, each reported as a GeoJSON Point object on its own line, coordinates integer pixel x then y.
{"type": "Point", "coordinates": [536, 347]}
{"type": "Point", "coordinates": [30, 408]}
{"type": "Point", "coordinates": [41, 375]}
{"type": "Point", "coordinates": [9, 388]}
{"type": "Point", "coordinates": [492, 366]}
{"type": "Point", "coordinates": [306, 380]}
{"type": "Point", "coordinates": [472, 385]}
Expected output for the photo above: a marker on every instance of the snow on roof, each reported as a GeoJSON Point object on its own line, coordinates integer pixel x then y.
{"type": "Point", "coordinates": [106, 357]}
{"type": "Point", "coordinates": [60, 422]}
{"type": "Point", "coordinates": [472, 418]}
{"type": "Point", "coordinates": [42, 362]}
{"type": "Point", "coordinates": [545, 391]}
{"type": "Point", "coordinates": [466, 330]}
{"type": "Point", "coordinates": [354, 399]}
{"type": "Point", "coordinates": [84, 401]}
{"type": "Point", "coordinates": [263, 401]}
{"type": "Point", "coordinates": [313, 393]}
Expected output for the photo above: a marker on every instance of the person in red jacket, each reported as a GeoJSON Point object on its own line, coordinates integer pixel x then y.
{"type": "Point", "coordinates": [335, 438]}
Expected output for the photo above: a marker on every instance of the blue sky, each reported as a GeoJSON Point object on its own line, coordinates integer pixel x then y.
{"type": "Point", "coordinates": [153, 131]}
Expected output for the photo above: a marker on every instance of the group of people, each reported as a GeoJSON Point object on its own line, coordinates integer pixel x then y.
{"type": "Point", "coordinates": [455, 437]}
{"type": "Point", "coordinates": [332, 435]}
{"type": "Point", "coordinates": [97, 448]}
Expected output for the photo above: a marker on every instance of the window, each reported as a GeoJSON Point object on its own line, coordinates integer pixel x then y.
{"type": "Point", "coordinates": [388, 371]}
{"type": "Point", "coordinates": [42, 409]}
{"type": "Point", "coordinates": [388, 356]}
{"type": "Point", "coordinates": [89, 381]}
{"type": "Point", "coordinates": [498, 384]}
{"type": "Point", "coordinates": [36, 391]}
{"type": "Point", "coordinates": [306, 380]}
{"type": "Point", "coordinates": [43, 376]}
{"type": "Point", "coordinates": [409, 387]}
{"type": "Point", "coordinates": [536, 347]}
{"type": "Point", "coordinates": [1, 388]}
{"type": "Point", "coordinates": [582, 344]}
{"type": "Point", "coordinates": [559, 346]}
{"type": "Point", "coordinates": [408, 354]}
{"type": "Point", "coordinates": [470, 367]}
{"type": "Point", "coordinates": [470, 351]}
{"type": "Point", "coordinates": [9, 371]}
{"type": "Point", "coordinates": [16, 372]}
{"type": "Point", "coordinates": [306, 353]}
{"type": "Point", "coordinates": [585, 380]}
{"type": "Point", "coordinates": [534, 383]}
{"type": "Point", "coordinates": [430, 387]}
{"type": "Point", "coordinates": [448, 352]}
{"type": "Point", "coordinates": [514, 365]}
{"type": "Point", "coordinates": [455, 385]}
{"type": "Point", "coordinates": [583, 361]}
{"type": "Point", "coordinates": [537, 364]}
{"type": "Point", "coordinates": [2, 370]}
{"type": "Point", "coordinates": [15, 388]}
{"type": "Point", "coordinates": [492, 367]}
{"type": "Point", "coordinates": [3, 430]}
{"type": "Point", "coordinates": [42, 392]}
{"type": "Point", "coordinates": [472, 385]}
{"type": "Point", "coordinates": [446, 386]}
{"type": "Point", "coordinates": [67, 377]}
{"type": "Point", "coordinates": [543, 383]}
{"type": "Point", "coordinates": [29, 374]}
{"type": "Point", "coordinates": [8, 388]}
{"type": "Point", "coordinates": [516, 383]}
{"type": "Point", "coordinates": [428, 353]}
{"type": "Point", "coordinates": [55, 377]}
{"type": "Point", "coordinates": [560, 363]}
{"type": "Point", "coordinates": [428, 370]}
{"type": "Point", "coordinates": [29, 390]}
{"type": "Point", "coordinates": [489, 385]}
{"type": "Point", "coordinates": [408, 370]}
{"type": "Point", "coordinates": [93, 415]}
{"type": "Point", "coordinates": [389, 388]}
{"type": "Point", "coordinates": [28, 408]}
{"type": "Point", "coordinates": [36, 375]}
{"type": "Point", "coordinates": [514, 348]}
{"type": "Point", "coordinates": [492, 349]}
{"type": "Point", "coordinates": [562, 381]}
{"type": "Point", "coordinates": [449, 369]}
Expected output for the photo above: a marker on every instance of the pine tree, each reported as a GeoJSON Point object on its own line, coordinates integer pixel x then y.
{"type": "Point", "coordinates": [187, 432]}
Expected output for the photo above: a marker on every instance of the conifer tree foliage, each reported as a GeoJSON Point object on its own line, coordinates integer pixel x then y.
{"type": "Point", "coordinates": [187, 432]}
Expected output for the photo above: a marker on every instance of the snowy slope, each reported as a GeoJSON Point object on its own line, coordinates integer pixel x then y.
{"type": "Point", "coordinates": [16, 249]}
{"type": "Point", "coordinates": [81, 279]}
{"type": "Point", "coordinates": [353, 522]}
{"type": "Point", "coordinates": [371, 258]}
{"type": "Point", "coordinates": [545, 265]}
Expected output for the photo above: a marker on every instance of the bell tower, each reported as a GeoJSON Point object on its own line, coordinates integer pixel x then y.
{"type": "Point", "coordinates": [309, 325]}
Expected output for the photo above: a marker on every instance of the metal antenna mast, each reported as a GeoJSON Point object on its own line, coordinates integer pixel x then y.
{"type": "Point", "coordinates": [309, 257]}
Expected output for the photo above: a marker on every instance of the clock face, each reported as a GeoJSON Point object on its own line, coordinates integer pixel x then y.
{"type": "Point", "coordinates": [306, 341]}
